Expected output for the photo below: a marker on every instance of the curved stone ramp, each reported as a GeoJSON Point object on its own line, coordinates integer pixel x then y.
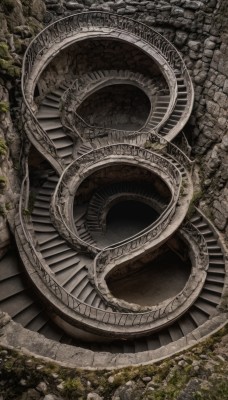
{"type": "Point", "coordinates": [205, 307]}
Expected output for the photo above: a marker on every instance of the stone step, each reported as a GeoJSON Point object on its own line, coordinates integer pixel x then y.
{"type": "Point", "coordinates": [205, 307]}
{"type": "Point", "coordinates": [211, 298]}
{"type": "Point", "coordinates": [60, 258]}
{"type": "Point", "coordinates": [50, 125]}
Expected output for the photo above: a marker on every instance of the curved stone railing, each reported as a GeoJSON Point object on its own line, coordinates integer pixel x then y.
{"type": "Point", "coordinates": [62, 200]}
{"type": "Point", "coordinates": [63, 32]}
{"type": "Point", "coordinates": [172, 150]}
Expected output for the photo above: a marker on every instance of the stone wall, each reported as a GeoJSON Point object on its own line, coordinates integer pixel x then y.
{"type": "Point", "coordinates": [19, 21]}
{"type": "Point", "coordinates": [198, 28]}
{"type": "Point", "coordinates": [118, 107]}
{"type": "Point", "coordinates": [93, 55]}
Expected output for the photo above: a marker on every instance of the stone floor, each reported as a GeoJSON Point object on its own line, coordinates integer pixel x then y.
{"type": "Point", "coordinates": [156, 281]}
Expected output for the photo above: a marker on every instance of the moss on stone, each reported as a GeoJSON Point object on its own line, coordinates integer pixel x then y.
{"type": "Point", "coordinates": [4, 108]}
{"type": "Point", "coordinates": [10, 69]}
{"type": "Point", "coordinates": [4, 51]}
{"type": "Point", "coordinates": [3, 182]}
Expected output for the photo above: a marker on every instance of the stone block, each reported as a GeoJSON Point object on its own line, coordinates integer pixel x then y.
{"type": "Point", "coordinates": [221, 99]}
{"type": "Point", "coordinates": [180, 38]}
{"type": "Point", "coordinates": [220, 80]}
{"type": "Point", "coordinates": [193, 4]}
{"type": "Point", "coordinates": [212, 108]}
{"type": "Point", "coordinates": [225, 86]}
{"type": "Point", "coordinates": [209, 44]}
{"type": "Point", "coordinates": [194, 45]}
{"type": "Point", "coordinates": [177, 11]}
{"type": "Point", "coordinates": [208, 53]}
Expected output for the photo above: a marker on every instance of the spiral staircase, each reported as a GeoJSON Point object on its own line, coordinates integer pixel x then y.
{"type": "Point", "coordinates": [61, 291]}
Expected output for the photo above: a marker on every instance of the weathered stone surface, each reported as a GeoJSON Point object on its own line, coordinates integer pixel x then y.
{"type": "Point", "coordinates": [38, 9]}
{"type": "Point", "coordinates": [94, 396]}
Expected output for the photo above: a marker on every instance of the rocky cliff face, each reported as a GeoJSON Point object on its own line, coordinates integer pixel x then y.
{"type": "Point", "coordinates": [19, 22]}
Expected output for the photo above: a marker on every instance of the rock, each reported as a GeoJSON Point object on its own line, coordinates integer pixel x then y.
{"type": "Point", "coordinates": [182, 363]}
{"type": "Point", "coordinates": [74, 5]}
{"type": "Point", "coordinates": [38, 9]}
{"type": "Point", "coordinates": [23, 382]}
{"type": "Point", "coordinates": [225, 86]}
{"type": "Point", "coordinates": [94, 396]}
{"type": "Point", "coordinates": [31, 394]}
{"type": "Point", "coordinates": [212, 108]}
{"type": "Point", "coordinates": [129, 391]}
{"type": "Point", "coordinates": [177, 11]}
{"type": "Point", "coordinates": [194, 45]}
{"type": "Point", "coordinates": [24, 31]}
{"type": "Point", "coordinates": [188, 392]}
{"type": "Point", "coordinates": [220, 80]}
{"type": "Point", "coordinates": [193, 4]}
{"type": "Point", "coordinates": [221, 99]}
{"type": "Point", "coordinates": [201, 77]}
{"type": "Point", "coordinates": [180, 38]}
{"type": "Point", "coordinates": [52, 397]}
{"type": "Point", "coordinates": [209, 44]}
{"type": "Point", "coordinates": [42, 387]}
{"type": "Point", "coordinates": [146, 379]}
{"type": "Point", "coordinates": [60, 386]}
{"type": "Point", "coordinates": [119, 4]}
{"type": "Point", "coordinates": [208, 53]}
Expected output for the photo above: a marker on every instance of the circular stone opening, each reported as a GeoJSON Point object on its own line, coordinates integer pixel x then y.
{"type": "Point", "coordinates": [127, 218]}
{"type": "Point", "coordinates": [154, 282]}
{"type": "Point", "coordinates": [124, 107]}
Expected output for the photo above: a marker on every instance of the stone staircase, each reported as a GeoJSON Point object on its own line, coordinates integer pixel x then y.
{"type": "Point", "coordinates": [18, 301]}
{"type": "Point", "coordinates": [48, 116]}
{"type": "Point", "coordinates": [61, 290]}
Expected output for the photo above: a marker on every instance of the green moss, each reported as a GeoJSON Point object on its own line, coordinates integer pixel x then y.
{"type": "Point", "coordinates": [73, 387]}
{"type": "Point", "coordinates": [4, 108]}
{"type": "Point", "coordinates": [10, 69]}
{"type": "Point", "coordinates": [3, 146]}
{"type": "Point", "coordinates": [3, 182]}
{"type": "Point", "coordinates": [218, 390]}
{"type": "Point", "coordinates": [4, 51]}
